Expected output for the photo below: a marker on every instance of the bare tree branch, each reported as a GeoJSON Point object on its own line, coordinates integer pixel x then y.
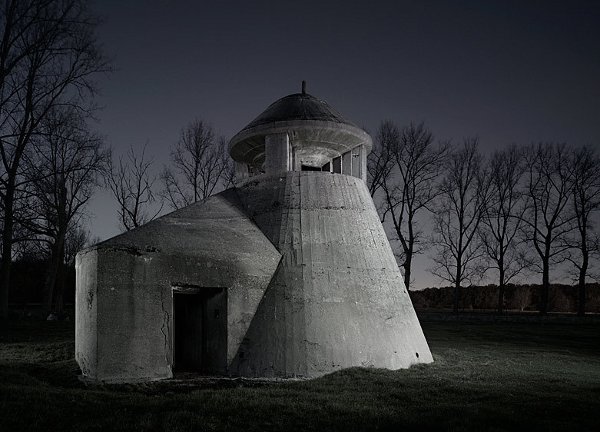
{"type": "Point", "coordinates": [200, 166]}
{"type": "Point", "coordinates": [131, 184]}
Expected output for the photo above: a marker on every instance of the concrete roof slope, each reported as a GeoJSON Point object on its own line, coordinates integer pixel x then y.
{"type": "Point", "coordinates": [298, 106]}
{"type": "Point", "coordinates": [217, 229]}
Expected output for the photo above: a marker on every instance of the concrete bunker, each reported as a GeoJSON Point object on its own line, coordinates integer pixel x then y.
{"type": "Point", "coordinates": [287, 274]}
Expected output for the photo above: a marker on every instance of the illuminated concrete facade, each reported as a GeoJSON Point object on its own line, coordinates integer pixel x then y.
{"type": "Point", "coordinates": [288, 274]}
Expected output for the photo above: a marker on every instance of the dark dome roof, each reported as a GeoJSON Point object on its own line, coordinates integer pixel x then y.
{"type": "Point", "coordinates": [298, 106]}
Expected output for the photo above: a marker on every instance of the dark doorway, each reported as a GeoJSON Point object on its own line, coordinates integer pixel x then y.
{"type": "Point", "coordinates": [200, 329]}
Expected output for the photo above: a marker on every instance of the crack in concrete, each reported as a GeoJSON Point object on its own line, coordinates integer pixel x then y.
{"type": "Point", "coordinates": [90, 299]}
{"type": "Point", "coordinates": [315, 344]}
{"type": "Point", "coordinates": [165, 323]}
{"type": "Point", "coordinates": [132, 250]}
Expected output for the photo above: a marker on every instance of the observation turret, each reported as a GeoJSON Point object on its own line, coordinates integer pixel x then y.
{"type": "Point", "coordinates": [300, 132]}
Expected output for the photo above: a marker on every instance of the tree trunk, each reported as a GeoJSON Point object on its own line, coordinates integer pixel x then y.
{"type": "Point", "coordinates": [581, 286]}
{"type": "Point", "coordinates": [407, 271]}
{"type": "Point", "coordinates": [456, 296]}
{"type": "Point", "coordinates": [5, 277]}
{"type": "Point", "coordinates": [543, 306]}
{"type": "Point", "coordinates": [59, 287]}
{"type": "Point", "coordinates": [501, 289]}
{"type": "Point", "coordinates": [457, 285]}
{"type": "Point", "coordinates": [501, 283]}
{"type": "Point", "coordinates": [49, 283]}
{"type": "Point", "coordinates": [7, 239]}
{"type": "Point", "coordinates": [51, 275]}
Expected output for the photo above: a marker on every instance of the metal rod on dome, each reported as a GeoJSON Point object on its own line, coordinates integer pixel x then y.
{"type": "Point", "coordinates": [303, 87]}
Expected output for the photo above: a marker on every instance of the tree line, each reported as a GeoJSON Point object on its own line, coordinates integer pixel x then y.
{"type": "Point", "coordinates": [522, 209]}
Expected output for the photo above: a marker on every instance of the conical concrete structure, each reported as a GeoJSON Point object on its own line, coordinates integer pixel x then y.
{"type": "Point", "coordinates": [288, 274]}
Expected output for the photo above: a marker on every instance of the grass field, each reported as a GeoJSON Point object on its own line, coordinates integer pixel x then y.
{"type": "Point", "coordinates": [486, 376]}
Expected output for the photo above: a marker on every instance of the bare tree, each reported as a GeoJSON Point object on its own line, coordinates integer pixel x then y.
{"type": "Point", "coordinates": [77, 238]}
{"type": "Point", "coordinates": [380, 161]}
{"type": "Point", "coordinates": [131, 183]}
{"type": "Point", "coordinates": [457, 217]}
{"type": "Point", "coordinates": [586, 202]}
{"type": "Point", "coordinates": [548, 219]}
{"type": "Point", "coordinates": [200, 166]}
{"type": "Point", "coordinates": [48, 54]}
{"type": "Point", "coordinates": [502, 218]}
{"type": "Point", "coordinates": [405, 168]}
{"type": "Point", "coordinates": [67, 168]}
{"type": "Point", "coordinates": [229, 176]}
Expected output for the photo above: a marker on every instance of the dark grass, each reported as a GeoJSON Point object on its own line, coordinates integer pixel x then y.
{"type": "Point", "coordinates": [486, 376]}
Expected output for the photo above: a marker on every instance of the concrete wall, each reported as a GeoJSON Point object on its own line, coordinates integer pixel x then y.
{"type": "Point", "coordinates": [364, 153]}
{"type": "Point", "coordinates": [86, 305]}
{"type": "Point", "coordinates": [134, 304]}
{"type": "Point", "coordinates": [338, 298]}
{"type": "Point", "coordinates": [210, 244]}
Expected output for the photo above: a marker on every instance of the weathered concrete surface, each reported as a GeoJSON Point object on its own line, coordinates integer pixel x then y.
{"type": "Point", "coordinates": [338, 298]}
{"type": "Point", "coordinates": [124, 286]}
{"type": "Point", "coordinates": [86, 301]}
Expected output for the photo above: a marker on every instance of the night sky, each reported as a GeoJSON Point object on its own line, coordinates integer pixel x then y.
{"type": "Point", "coordinates": [506, 71]}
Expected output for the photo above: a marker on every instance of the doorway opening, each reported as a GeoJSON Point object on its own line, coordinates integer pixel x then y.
{"type": "Point", "coordinates": [199, 329]}
{"type": "Point", "coordinates": [310, 168]}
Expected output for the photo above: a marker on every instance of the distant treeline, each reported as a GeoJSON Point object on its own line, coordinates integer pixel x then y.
{"type": "Point", "coordinates": [562, 298]}
{"type": "Point", "coordinates": [27, 283]}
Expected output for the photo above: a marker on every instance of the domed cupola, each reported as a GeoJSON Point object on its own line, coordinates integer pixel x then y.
{"type": "Point", "coordinates": [300, 132]}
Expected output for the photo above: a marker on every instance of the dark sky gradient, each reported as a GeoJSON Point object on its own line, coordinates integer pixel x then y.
{"type": "Point", "coordinates": [506, 71]}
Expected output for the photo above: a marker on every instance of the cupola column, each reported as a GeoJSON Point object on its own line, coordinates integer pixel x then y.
{"type": "Point", "coordinates": [277, 153]}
